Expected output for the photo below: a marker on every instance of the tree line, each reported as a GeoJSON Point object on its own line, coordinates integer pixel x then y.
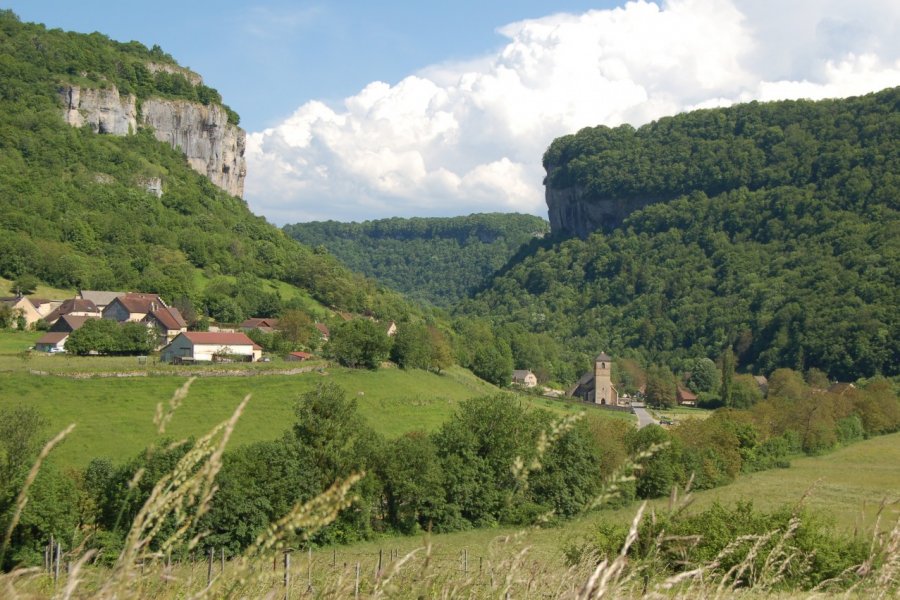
{"type": "Point", "coordinates": [494, 462]}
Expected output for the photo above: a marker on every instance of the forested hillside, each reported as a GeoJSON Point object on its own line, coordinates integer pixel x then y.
{"type": "Point", "coordinates": [75, 211]}
{"type": "Point", "coordinates": [439, 260]}
{"type": "Point", "coordinates": [782, 240]}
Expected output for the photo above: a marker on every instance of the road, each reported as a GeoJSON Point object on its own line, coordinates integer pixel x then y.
{"type": "Point", "coordinates": [644, 417]}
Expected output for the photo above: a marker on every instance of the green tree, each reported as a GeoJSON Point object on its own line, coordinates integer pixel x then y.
{"type": "Point", "coordinates": [704, 376]}
{"type": "Point", "coordinates": [24, 285]}
{"type": "Point", "coordinates": [494, 363]}
{"type": "Point", "coordinates": [727, 375]}
{"type": "Point", "coordinates": [359, 343]}
{"type": "Point", "coordinates": [660, 390]}
{"type": "Point", "coordinates": [332, 437]}
{"type": "Point", "coordinates": [412, 347]}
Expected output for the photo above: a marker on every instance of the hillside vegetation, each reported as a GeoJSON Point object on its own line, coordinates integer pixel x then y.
{"type": "Point", "coordinates": [782, 240]}
{"type": "Point", "coordinates": [439, 260]}
{"type": "Point", "coordinates": [73, 211]}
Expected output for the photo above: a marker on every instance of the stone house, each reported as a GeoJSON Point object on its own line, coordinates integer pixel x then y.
{"type": "Point", "coordinates": [168, 323]}
{"type": "Point", "coordinates": [21, 305]}
{"type": "Point", "coordinates": [264, 324]}
{"type": "Point", "coordinates": [132, 307]}
{"type": "Point", "coordinates": [524, 378]}
{"type": "Point", "coordinates": [77, 307]}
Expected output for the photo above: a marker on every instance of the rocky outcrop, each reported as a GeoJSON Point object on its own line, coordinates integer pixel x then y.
{"type": "Point", "coordinates": [192, 77]}
{"type": "Point", "coordinates": [104, 109]}
{"type": "Point", "coordinates": [573, 212]}
{"type": "Point", "coordinates": [211, 145]}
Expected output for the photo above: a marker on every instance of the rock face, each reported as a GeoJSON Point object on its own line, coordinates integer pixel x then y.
{"type": "Point", "coordinates": [212, 146]}
{"type": "Point", "coordinates": [104, 110]}
{"type": "Point", "coordinates": [573, 212]}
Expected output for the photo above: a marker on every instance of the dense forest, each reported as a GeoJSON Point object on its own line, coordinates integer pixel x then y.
{"type": "Point", "coordinates": [438, 260]}
{"type": "Point", "coordinates": [74, 212]}
{"type": "Point", "coordinates": [782, 241]}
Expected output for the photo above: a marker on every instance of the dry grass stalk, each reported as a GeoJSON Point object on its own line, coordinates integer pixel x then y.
{"type": "Point", "coordinates": [162, 417]}
{"type": "Point", "coordinates": [182, 495]}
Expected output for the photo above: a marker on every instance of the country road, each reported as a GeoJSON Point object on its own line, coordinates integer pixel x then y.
{"type": "Point", "coordinates": [644, 417]}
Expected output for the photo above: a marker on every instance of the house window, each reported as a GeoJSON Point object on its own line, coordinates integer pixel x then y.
{"type": "Point", "coordinates": [602, 365]}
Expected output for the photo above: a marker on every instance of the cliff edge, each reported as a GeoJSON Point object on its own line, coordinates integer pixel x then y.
{"type": "Point", "coordinates": [213, 146]}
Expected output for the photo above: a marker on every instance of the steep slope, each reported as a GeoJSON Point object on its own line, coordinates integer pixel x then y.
{"type": "Point", "coordinates": [789, 253]}
{"type": "Point", "coordinates": [439, 260]}
{"type": "Point", "coordinates": [79, 208]}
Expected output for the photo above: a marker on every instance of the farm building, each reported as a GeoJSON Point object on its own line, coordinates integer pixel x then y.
{"type": "Point", "coordinates": [210, 346]}
{"type": "Point", "coordinates": [524, 378]}
{"type": "Point", "coordinates": [298, 356]}
{"type": "Point", "coordinates": [53, 341]}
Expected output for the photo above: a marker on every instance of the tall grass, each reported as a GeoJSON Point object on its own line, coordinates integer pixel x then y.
{"type": "Point", "coordinates": [167, 525]}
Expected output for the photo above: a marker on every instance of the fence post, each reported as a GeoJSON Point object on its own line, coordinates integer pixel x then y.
{"type": "Point", "coordinates": [356, 589]}
{"type": "Point", "coordinates": [209, 567]}
{"type": "Point", "coordinates": [287, 574]}
{"type": "Point", "coordinates": [465, 561]}
{"type": "Point", "coordinates": [58, 560]}
{"type": "Point", "coordinates": [222, 550]}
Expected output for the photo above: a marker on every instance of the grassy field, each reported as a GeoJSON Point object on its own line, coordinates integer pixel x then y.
{"type": "Point", "coordinates": [847, 485]}
{"type": "Point", "coordinates": [114, 415]}
{"type": "Point", "coordinates": [680, 413]}
{"type": "Point", "coordinates": [42, 291]}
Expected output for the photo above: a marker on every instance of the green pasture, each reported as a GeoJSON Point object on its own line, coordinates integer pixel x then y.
{"type": "Point", "coordinates": [114, 415]}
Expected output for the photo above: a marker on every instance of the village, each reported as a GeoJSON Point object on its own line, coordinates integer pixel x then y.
{"type": "Point", "coordinates": [165, 325]}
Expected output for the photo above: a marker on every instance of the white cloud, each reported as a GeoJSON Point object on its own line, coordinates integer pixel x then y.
{"type": "Point", "coordinates": [468, 137]}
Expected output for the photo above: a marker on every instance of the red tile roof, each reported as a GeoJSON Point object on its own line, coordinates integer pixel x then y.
{"type": "Point", "coordinates": [302, 355]}
{"type": "Point", "coordinates": [219, 338]}
{"type": "Point", "coordinates": [140, 303]}
{"type": "Point", "coordinates": [72, 305]}
{"type": "Point", "coordinates": [256, 322]}
{"type": "Point", "coordinates": [170, 318]}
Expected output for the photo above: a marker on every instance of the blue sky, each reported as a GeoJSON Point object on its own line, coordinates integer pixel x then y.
{"type": "Point", "coordinates": [359, 110]}
{"type": "Point", "coordinates": [267, 58]}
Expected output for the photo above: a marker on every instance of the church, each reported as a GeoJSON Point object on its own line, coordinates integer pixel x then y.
{"type": "Point", "coordinates": [596, 386]}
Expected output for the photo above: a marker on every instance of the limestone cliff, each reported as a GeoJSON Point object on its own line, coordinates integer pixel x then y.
{"type": "Point", "coordinates": [573, 212]}
{"type": "Point", "coordinates": [104, 109]}
{"type": "Point", "coordinates": [212, 146]}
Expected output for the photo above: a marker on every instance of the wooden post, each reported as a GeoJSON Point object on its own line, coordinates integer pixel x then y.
{"type": "Point", "coordinates": [480, 558]}
{"type": "Point", "coordinates": [222, 551]}
{"type": "Point", "coordinates": [465, 561]}
{"type": "Point", "coordinates": [209, 568]}
{"type": "Point", "coordinates": [333, 557]}
{"type": "Point", "coordinates": [287, 574]}
{"type": "Point", "coordinates": [309, 587]}
{"type": "Point", "coordinates": [58, 560]}
{"type": "Point", "coordinates": [378, 572]}
{"type": "Point", "coordinates": [356, 589]}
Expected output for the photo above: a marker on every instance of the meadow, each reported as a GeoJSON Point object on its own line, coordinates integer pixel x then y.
{"type": "Point", "coordinates": [112, 400]}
